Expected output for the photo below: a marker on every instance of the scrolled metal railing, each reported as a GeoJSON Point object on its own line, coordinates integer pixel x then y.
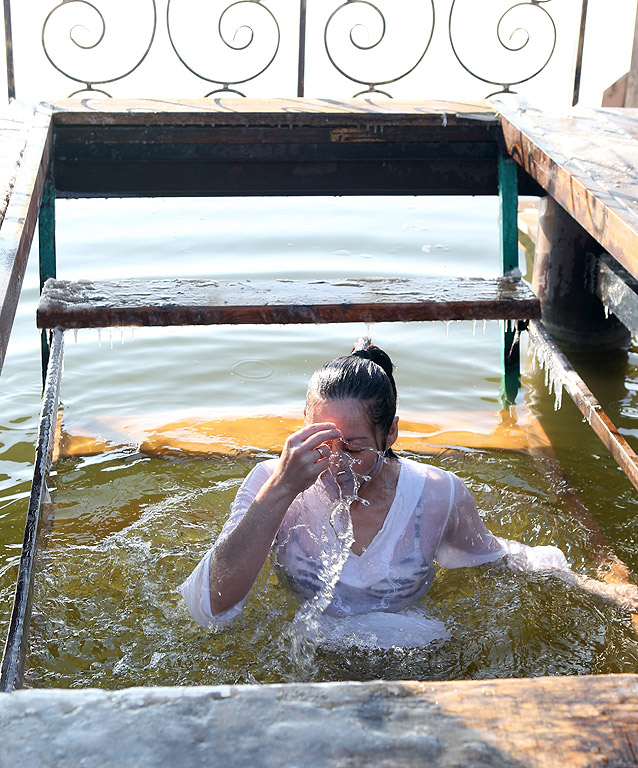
{"type": "Point", "coordinates": [87, 33]}
{"type": "Point", "coordinates": [514, 37]}
{"type": "Point", "coordinates": [374, 44]}
{"type": "Point", "coordinates": [233, 32]}
{"type": "Point", "coordinates": [360, 39]}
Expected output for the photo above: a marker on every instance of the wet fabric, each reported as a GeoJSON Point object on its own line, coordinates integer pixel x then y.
{"type": "Point", "coordinates": [433, 518]}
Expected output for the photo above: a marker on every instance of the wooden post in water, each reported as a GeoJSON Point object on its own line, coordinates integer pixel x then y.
{"type": "Point", "coordinates": [565, 282]}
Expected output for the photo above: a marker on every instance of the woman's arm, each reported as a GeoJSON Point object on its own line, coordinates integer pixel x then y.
{"type": "Point", "coordinates": [239, 555]}
{"type": "Point", "coordinates": [466, 541]}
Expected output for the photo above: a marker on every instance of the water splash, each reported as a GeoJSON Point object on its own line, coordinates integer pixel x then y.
{"type": "Point", "coordinates": [341, 483]}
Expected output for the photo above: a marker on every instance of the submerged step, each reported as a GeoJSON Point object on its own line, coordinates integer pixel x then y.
{"type": "Point", "coordinates": [101, 304]}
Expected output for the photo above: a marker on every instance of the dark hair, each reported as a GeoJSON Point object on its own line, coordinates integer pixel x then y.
{"type": "Point", "coordinates": [364, 375]}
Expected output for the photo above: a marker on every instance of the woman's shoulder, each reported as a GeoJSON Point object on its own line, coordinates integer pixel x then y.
{"type": "Point", "coordinates": [429, 471]}
{"type": "Point", "coordinates": [432, 480]}
{"type": "Point", "coordinates": [259, 474]}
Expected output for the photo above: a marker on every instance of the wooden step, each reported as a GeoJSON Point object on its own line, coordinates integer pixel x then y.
{"type": "Point", "coordinates": [166, 302]}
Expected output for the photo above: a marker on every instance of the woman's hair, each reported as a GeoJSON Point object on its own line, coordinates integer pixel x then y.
{"type": "Point", "coordinates": [364, 375]}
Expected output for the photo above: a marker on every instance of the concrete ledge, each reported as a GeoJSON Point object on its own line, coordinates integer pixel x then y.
{"type": "Point", "coordinates": [579, 721]}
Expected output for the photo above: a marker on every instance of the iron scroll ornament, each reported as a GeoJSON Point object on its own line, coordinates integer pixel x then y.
{"type": "Point", "coordinates": [226, 83]}
{"type": "Point", "coordinates": [372, 86]}
{"type": "Point", "coordinates": [89, 83]}
{"type": "Point", "coordinates": [506, 85]}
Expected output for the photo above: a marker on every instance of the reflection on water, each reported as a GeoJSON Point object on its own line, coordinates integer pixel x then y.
{"type": "Point", "coordinates": [129, 529]}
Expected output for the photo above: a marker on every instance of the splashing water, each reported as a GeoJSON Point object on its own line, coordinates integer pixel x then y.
{"type": "Point", "coordinates": [342, 484]}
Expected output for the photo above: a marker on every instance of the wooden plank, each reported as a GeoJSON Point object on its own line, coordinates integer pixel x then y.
{"type": "Point", "coordinates": [278, 112]}
{"type": "Point", "coordinates": [14, 128]}
{"type": "Point", "coordinates": [618, 291]}
{"type": "Point", "coordinates": [564, 375]}
{"type": "Point", "coordinates": [275, 147]}
{"type": "Point", "coordinates": [206, 302]}
{"type": "Point", "coordinates": [545, 722]}
{"type": "Point", "coordinates": [21, 215]}
{"type": "Point", "coordinates": [587, 160]}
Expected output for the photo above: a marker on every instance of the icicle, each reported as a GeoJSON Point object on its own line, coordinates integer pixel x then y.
{"type": "Point", "coordinates": [473, 327]}
{"type": "Point", "coordinates": [447, 327]}
{"type": "Point", "coordinates": [99, 337]}
{"type": "Point", "coordinates": [121, 335]}
{"type": "Point", "coordinates": [75, 335]}
{"type": "Point", "coordinates": [606, 308]}
{"type": "Point", "coordinates": [111, 338]}
{"type": "Point", "coordinates": [484, 326]}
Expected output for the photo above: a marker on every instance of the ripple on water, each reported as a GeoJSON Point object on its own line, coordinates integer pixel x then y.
{"type": "Point", "coordinates": [107, 614]}
{"type": "Point", "coordinates": [253, 369]}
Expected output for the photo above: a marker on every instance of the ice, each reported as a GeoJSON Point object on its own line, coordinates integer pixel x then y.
{"type": "Point", "coordinates": [554, 374]}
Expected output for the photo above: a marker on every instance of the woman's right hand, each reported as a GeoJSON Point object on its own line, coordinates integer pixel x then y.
{"type": "Point", "coordinates": [304, 457]}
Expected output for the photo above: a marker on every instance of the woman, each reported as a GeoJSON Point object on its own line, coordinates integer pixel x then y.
{"type": "Point", "coordinates": [355, 528]}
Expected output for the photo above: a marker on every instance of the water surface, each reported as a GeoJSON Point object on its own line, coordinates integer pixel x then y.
{"type": "Point", "coordinates": [129, 527]}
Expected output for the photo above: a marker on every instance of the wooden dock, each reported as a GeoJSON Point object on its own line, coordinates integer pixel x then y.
{"type": "Point", "coordinates": [297, 146]}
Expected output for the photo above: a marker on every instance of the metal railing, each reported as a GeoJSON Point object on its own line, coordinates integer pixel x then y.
{"type": "Point", "coordinates": [243, 39]}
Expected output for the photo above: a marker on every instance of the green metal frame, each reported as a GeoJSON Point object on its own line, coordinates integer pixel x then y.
{"type": "Point", "coordinates": [508, 241]}
{"type": "Point", "coordinates": [47, 256]}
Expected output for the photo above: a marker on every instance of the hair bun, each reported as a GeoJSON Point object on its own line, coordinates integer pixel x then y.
{"type": "Point", "coordinates": [364, 348]}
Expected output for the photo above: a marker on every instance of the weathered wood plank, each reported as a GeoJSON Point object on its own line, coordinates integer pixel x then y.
{"type": "Point", "coordinates": [21, 215]}
{"type": "Point", "coordinates": [587, 160]}
{"type": "Point", "coordinates": [580, 722]}
{"type": "Point", "coordinates": [618, 291]}
{"type": "Point", "coordinates": [274, 147]}
{"type": "Point", "coordinates": [206, 302]}
{"type": "Point", "coordinates": [278, 112]}
{"type": "Point", "coordinates": [564, 375]}
{"type": "Point", "coordinates": [14, 129]}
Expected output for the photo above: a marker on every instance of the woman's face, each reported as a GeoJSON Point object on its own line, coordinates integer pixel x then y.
{"type": "Point", "coordinates": [357, 453]}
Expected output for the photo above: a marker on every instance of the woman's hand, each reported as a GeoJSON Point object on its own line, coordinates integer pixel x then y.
{"type": "Point", "coordinates": [304, 457]}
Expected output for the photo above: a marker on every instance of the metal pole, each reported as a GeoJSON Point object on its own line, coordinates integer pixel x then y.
{"type": "Point", "coordinates": [301, 70]}
{"type": "Point", "coordinates": [8, 45]}
{"type": "Point", "coordinates": [579, 54]}
{"type": "Point", "coordinates": [508, 241]}
{"type": "Point", "coordinates": [46, 236]}
{"type": "Point", "coordinates": [12, 668]}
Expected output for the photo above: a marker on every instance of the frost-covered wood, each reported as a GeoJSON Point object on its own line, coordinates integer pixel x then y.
{"type": "Point", "coordinates": [208, 302]}
{"type": "Point", "coordinates": [580, 722]}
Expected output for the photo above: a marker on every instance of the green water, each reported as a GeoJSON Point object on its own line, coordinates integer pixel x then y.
{"type": "Point", "coordinates": [128, 528]}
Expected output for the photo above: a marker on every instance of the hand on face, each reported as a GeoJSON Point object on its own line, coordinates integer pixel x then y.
{"type": "Point", "coordinates": [306, 455]}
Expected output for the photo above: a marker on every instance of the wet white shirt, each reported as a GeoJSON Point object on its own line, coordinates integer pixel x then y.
{"type": "Point", "coordinates": [433, 518]}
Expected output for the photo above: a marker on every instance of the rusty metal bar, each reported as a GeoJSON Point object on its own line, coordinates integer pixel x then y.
{"type": "Point", "coordinates": [578, 66]}
{"type": "Point", "coordinates": [564, 375]}
{"type": "Point", "coordinates": [12, 670]}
